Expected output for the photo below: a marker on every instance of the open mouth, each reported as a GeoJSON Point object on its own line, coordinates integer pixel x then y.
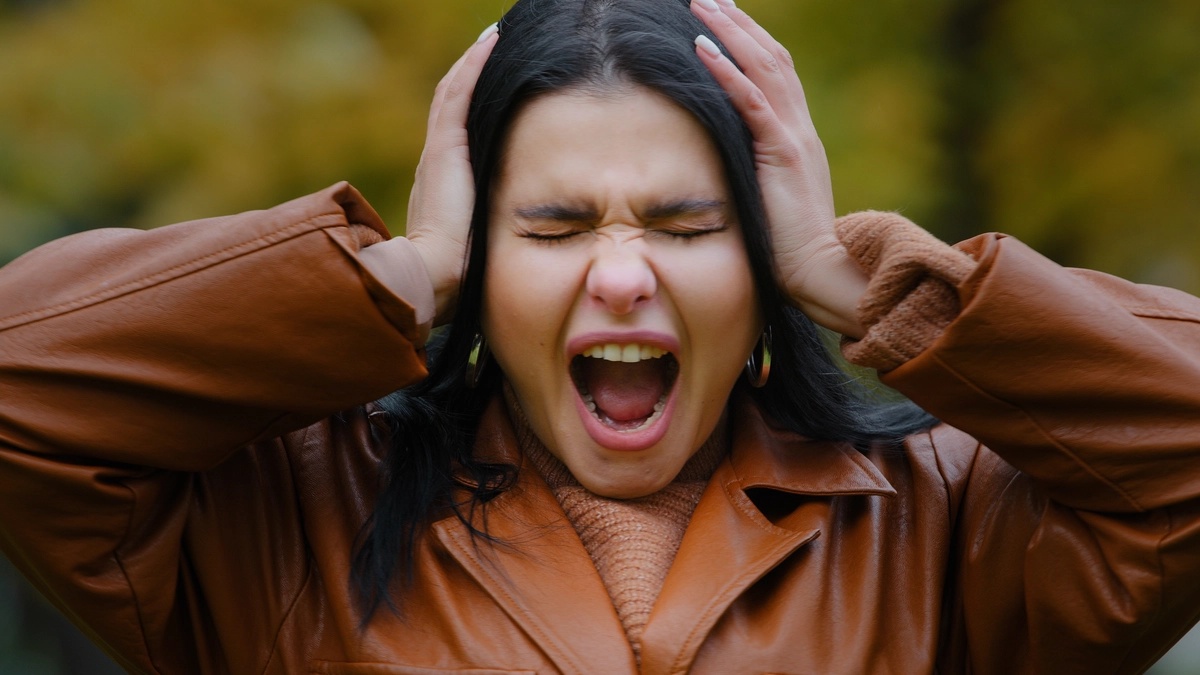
{"type": "Point", "coordinates": [625, 386]}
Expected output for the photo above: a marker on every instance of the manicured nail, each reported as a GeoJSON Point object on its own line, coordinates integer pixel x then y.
{"type": "Point", "coordinates": [710, 5]}
{"type": "Point", "coordinates": [489, 32]}
{"type": "Point", "coordinates": [707, 45]}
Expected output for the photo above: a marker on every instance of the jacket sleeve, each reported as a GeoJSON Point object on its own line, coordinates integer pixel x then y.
{"type": "Point", "coordinates": [132, 360]}
{"type": "Point", "coordinates": [1085, 558]}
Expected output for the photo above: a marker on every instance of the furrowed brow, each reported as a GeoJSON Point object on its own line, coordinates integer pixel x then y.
{"type": "Point", "coordinates": [559, 212]}
{"type": "Point", "coordinates": [683, 207]}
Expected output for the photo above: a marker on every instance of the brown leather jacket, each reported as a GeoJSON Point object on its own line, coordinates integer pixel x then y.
{"type": "Point", "coordinates": [174, 475]}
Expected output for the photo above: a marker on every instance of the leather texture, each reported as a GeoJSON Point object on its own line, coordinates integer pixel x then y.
{"type": "Point", "coordinates": [186, 459]}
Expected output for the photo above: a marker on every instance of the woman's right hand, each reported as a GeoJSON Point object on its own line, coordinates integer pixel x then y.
{"type": "Point", "coordinates": [443, 194]}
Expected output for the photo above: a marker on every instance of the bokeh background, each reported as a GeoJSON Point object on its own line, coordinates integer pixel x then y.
{"type": "Point", "coordinates": [1072, 124]}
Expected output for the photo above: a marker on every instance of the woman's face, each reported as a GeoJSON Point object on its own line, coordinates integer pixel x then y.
{"type": "Point", "coordinates": [618, 295]}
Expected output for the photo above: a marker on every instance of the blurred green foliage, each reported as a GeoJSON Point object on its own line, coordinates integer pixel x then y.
{"type": "Point", "coordinates": [1072, 124]}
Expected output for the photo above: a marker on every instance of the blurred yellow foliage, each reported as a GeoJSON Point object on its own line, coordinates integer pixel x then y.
{"type": "Point", "coordinates": [1072, 124]}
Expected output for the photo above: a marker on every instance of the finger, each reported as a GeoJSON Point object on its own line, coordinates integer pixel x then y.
{"type": "Point", "coordinates": [452, 98]}
{"type": "Point", "coordinates": [763, 59]}
{"type": "Point", "coordinates": [751, 103]}
{"type": "Point", "coordinates": [439, 93]}
{"type": "Point", "coordinates": [764, 38]}
{"type": "Point", "coordinates": [760, 34]}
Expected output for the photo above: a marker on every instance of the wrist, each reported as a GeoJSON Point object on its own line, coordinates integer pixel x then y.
{"type": "Point", "coordinates": [443, 277]}
{"type": "Point", "coordinates": [397, 266]}
{"type": "Point", "coordinates": [827, 285]}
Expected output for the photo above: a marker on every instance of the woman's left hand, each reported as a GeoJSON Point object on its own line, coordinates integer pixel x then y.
{"type": "Point", "coordinates": [814, 268]}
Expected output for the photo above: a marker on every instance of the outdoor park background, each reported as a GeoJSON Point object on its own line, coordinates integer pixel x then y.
{"type": "Point", "coordinates": [1072, 124]}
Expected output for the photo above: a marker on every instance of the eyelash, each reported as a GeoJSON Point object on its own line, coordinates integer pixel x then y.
{"type": "Point", "coordinates": [685, 235]}
{"type": "Point", "coordinates": [693, 234]}
{"type": "Point", "coordinates": [549, 239]}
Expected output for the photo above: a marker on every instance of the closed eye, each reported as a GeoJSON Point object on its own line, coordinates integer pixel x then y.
{"type": "Point", "coordinates": [693, 232]}
{"type": "Point", "coordinates": [550, 237]}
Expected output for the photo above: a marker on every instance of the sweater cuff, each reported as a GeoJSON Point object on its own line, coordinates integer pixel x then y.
{"type": "Point", "coordinates": [911, 296]}
{"type": "Point", "coordinates": [398, 273]}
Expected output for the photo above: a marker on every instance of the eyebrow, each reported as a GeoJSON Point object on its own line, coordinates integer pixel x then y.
{"type": "Point", "coordinates": [575, 214]}
{"type": "Point", "coordinates": [561, 212]}
{"type": "Point", "coordinates": [683, 207]}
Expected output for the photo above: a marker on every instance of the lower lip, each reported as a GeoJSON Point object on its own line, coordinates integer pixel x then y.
{"type": "Point", "coordinates": [627, 441]}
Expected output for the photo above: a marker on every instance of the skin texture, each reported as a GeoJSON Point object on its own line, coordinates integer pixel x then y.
{"type": "Point", "coordinates": [582, 251]}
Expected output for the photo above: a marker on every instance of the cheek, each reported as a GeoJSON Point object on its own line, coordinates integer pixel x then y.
{"type": "Point", "coordinates": [526, 302]}
{"type": "Point", "coordinates": [504, 314]}
{"type": "Point", "coordinates": [714, 287]}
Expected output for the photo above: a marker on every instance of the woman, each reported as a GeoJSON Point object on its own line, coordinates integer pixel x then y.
{"type": "Point", "coordinates": [604, 496]}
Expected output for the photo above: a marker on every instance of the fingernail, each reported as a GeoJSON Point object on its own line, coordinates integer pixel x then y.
{"type": "Point", "coordinates": [490, 31]}
{"type": "Point", "coordinates": [710, 5]}
{"type": "Point", "coordinates": [707, 45]}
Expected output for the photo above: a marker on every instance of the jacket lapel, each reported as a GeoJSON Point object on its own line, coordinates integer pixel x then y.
{"type": "Point", "coordinates": [539, 572]}
{"type": "Point", "coordinates": [730, 544]}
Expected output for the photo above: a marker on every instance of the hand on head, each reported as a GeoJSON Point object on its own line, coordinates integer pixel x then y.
{"type": "Point", "coordinates": [813, 267]}
{"type": "Point", "coordinates": [443, 194]}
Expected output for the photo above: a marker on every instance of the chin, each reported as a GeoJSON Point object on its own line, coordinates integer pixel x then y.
{"type": "Point", "coordinates": [625, 476]}
{"type": "Point", "coordinates": [615, 489]}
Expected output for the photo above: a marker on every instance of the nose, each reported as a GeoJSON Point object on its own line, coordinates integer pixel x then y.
{"type": "Point", "coordinates": [620, 277]}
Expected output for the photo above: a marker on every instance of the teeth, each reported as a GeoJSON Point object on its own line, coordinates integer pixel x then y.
{"type": "Point", "coordinates": [629, 353]}
{"type": "Point", "coordinates": [626, 353]}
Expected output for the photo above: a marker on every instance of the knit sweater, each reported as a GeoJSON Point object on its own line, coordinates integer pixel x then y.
{"type": "Point", "coordinates": [632, 542]}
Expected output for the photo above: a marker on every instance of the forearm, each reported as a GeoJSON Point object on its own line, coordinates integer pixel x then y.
{"type": "Point", "coordinates": [202, 336]}
{"type": "Point", "coordinates": [1086, 382]}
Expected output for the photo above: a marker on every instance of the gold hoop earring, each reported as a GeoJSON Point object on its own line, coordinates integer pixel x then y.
{"type": "Point", "coordinates": [758, 366]}
{"type": "Point", "coordinates": [477, 360]}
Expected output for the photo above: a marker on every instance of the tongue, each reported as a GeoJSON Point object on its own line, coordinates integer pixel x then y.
{"type": "Point", "coordinates": [624, 392]}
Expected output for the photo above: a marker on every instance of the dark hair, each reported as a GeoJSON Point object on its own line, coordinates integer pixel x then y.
{"type": "Point", "coordinates": [548, 46]}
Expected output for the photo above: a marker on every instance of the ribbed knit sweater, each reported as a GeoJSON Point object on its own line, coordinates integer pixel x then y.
{"type": "Point", "coordinates": [632, 542]}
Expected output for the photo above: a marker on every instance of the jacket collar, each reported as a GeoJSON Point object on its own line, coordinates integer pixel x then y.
{"type": "Point", "coordinates": [730, 544]}
{"type": "Point", "coordinates": [764, 456]}
{"type": "Point", "coordinates": [545, 581]}
{"type": "Point", "coordinates": [539, 573]}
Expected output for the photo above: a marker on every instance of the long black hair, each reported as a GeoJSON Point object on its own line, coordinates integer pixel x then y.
{"type": "Point", "coordinates": [549, 46]}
